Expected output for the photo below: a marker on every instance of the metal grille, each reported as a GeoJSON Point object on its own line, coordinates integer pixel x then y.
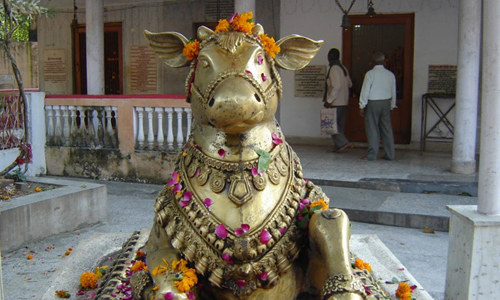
{"type": "Point", "coordinates": [11, 122]}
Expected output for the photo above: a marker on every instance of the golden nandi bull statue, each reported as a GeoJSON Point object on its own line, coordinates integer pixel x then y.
{"type": "Point", "coordinates": [237, 217]}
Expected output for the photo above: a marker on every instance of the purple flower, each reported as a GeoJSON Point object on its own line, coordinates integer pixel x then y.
{"type": "Point", "coordinates": [260, 60]}
{"type": "Point", "coordinates": [265, 236]}
{"type": "Point", "coordinates": [221, 231]}
{"type": "Point", "coordinates": [168, 296]}
{"type": "Point", "coordinates": [242, 230]}
{"type": "Point", "coordinates": [264, 78]}
{"type": "Point", "coordinates": [283, 230]}
{"type": "Point", "coordinates": [305, 201]}
{"type": "Point", "coordinates": [174, 180]}
{"type": "Point", "coordinates": [262, 276]}
{"type": "Point", "coordinates": [227, 258]}
{"type": "Point", "coordinates": [249, 72]}
{"type": "Point", "coordinates": [241, 283]}
{"type": "Point", "coordinates": [208, 202]}
{"type": "Point", "coordinates": [232, 17]}
{"type": "Point", "coordinates": [187, 196]}
{"type": "Point", "coordinates": [255, 172]}
{"type": "Point", "coordinates": [177, 188]}
{"type": "Point", "coordinates": [198, 172]}
{"type": "Point", "coordinates": [221, 153]}
{"type": "Point", "coordinates": [276, 138]}
{"type": "Point", "coordinates": [184, 203]}
{"type": "Point", "coordinates": [190, 295]}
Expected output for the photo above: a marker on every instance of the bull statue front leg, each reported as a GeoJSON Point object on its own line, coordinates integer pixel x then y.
{"type": "Point", "coordinates": [330, 268]}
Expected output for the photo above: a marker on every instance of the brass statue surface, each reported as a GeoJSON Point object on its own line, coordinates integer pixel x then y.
{"type": "Point", "coordinates": [238, 211]}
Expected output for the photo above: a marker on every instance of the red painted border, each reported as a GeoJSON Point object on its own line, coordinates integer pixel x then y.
{"type": "Point", "coordinates": [143, 96]}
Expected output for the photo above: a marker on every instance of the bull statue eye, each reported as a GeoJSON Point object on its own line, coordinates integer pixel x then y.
{"type": "Point", "coordinates": [204, 63]}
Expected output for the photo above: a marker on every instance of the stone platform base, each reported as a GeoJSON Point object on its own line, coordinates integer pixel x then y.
{"type": "Point", "coordinates": [88, 254]}
{"type": "Point", "coordinates": [34, 217]}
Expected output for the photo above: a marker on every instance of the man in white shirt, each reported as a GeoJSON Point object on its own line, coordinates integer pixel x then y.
{"type": "Point", "coordinates": [376, 101]}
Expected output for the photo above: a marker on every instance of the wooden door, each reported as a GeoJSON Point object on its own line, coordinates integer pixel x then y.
{"type": "Point", "coordinates": [392, 35]}
{"type": "Point", "coordinates": [113, 83]}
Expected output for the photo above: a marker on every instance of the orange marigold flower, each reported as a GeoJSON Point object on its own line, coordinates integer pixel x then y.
{"type": "Point", "coordinates": [222, 26]}
{"type": "Point", "coordinates": [320, 202]}
{"type": "Point", "coordinates": [359, 264]}
{"type": "Point", "coordinates": [30, 256]}
{"type": "Point", "coordinates": [88, 280]}
{"type": "Point", "coordinates": [243, 22]}
{"type": "Point", "coordinates": [404, 291]}
{"type": "Point", "coordinates": [269, 45]}
{"type": "Point", "coordinates": [367, 266]}
{"type": "Point", "coordinates": [140, 253]}
{"type": "Point", "coordinates": [67, 252]}
{"type": "Point", "coordinates": [189, 279]}
{"type": "Point", "coordinates": [38, 189]}
{"type": "Point", "coordinates": [178, 265]}
{"type": "Point", "coordinates": [191, 50]}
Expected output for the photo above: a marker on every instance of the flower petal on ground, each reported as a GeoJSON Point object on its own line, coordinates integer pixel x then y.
{"type": "Point", "coordinates": [221, 231]}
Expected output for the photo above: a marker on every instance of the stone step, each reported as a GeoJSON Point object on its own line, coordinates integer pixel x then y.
{"type": "Point", "coordinates": [394, 208]}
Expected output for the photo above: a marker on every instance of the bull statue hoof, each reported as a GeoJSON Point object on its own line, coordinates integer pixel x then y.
{"type": "Point", "coordinates": [237, 219]}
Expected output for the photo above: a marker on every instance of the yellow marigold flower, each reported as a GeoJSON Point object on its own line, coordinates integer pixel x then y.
{"type": "Point", "coordinates": [6, 197]}
{"type": "Point", "coordinates": [320, 202]}
{"type": "Point", "coordinates": [191, 50]}
{"type": "Point", "coordinates": [269, 45]}
{"type": "Point", "coordinates": [404, 291]}
{"type": "Point", "coordinates": [88, 280]}
{"type": "Point", "coordinates": [222, 26]}
{"type": "Point", "coordinates": [189, 279]}
{"type": "Point", "coordinates": [138, 266]}
{"type": "Point", "coordinates": [243, 22]}
{"type": "Point", "coordinates": [38, 189]}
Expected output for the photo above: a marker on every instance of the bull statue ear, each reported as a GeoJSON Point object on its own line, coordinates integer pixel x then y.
{"type": "Point", "coordinates": [257, 29]}
{"type": "Point", "coordinates": [296, 51]}
{"type": "Point", "coordinates": [168, 46]}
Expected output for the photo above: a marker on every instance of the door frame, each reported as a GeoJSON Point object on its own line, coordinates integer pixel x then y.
{"type": "Point", "coordinates": [77, 73]}
{"type": "Point", "coordinates": [405, 113]}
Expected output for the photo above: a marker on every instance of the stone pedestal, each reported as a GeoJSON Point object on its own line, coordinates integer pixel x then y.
{"type": "Point", "coordinates": [473, 254]}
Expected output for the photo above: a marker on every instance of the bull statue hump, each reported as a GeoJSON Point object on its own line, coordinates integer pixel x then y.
{"type": "Point", "coordinates": [237, 219]}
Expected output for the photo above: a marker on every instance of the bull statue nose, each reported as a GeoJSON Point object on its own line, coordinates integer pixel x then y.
{"type": "Point", "coordinates": [235, 106]}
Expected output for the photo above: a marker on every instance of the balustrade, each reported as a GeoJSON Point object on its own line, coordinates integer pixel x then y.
{"type": "Point", "coordinates": [128, 123]}
{"type": "Point", "coordinates": [78, 126]}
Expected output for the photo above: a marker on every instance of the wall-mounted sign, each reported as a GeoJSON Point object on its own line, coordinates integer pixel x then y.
{"type": "Point", "coordinates": [442, 79]}
{"type": "Point", "coordinates": [54, 70]}
{"type": "Point", "coordinates": [310, 81]}
{"type": "Point", "coordinates": [143, 70]}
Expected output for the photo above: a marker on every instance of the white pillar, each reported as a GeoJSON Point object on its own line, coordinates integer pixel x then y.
{"type": "Point", "coordinates": [489, 170]}
{"type": "Point", "coordinates": [469, 47]}
{"type": "Point", "coordinates": [94, 16]}
{"type": "Point", "coordinates": [243, 6]}
{"type": "Point", "coordinates": [1, 281]}
{"type": "Point", "coordinates": [473, 252]}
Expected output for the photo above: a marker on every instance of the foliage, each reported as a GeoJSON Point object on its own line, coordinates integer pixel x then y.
{"type": "Point", "coordinates": [17, 175]}
{"type": "Point", "coordinates": [16, 16]}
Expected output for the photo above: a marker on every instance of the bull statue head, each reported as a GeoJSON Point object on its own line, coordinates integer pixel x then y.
{"type": "Point", "coordinates": [233, 83]}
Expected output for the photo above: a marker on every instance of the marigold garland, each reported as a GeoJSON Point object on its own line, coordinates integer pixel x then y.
{"type": "Point", "coordinates": [269, 45]}
{"type": "Point", "coordinates": [139, 266]}
{"type": "Point", "coordinates": [88, 280]}
{"type": "Point", "coordinates": [242, 23]}
{"type": "Point", "coordinates": [362, 265]}
{"type": "Point", "coordinates": [189, 279]}
{"type": "Point", "coordinates": [191, 50]}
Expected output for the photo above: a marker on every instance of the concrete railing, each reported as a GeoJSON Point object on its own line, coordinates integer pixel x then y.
{"type": "Point", "coordinates": [124, 122]}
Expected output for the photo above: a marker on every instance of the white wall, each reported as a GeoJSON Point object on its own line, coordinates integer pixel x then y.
{"type": "Point", "coordinates": [436, 38]}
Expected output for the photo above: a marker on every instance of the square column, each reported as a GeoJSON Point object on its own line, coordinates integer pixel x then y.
{"type": "Point", "coordinates": [473, 270]}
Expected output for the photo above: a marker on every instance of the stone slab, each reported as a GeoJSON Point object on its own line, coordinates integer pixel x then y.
{"type": "Point", "coordinates": [473, 254]}
{"type": "Point", "coordinates": [34, 217]}
{"type": "Point", "coordinates": [86, 256]}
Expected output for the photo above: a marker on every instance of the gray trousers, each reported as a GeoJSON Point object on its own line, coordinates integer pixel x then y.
{"type": "Point", "coordinates": [378, 126]}
{"type": "Point", "coordinates": [339, 139]}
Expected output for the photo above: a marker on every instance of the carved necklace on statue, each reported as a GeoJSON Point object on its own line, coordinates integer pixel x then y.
{"type": "Point", "coordinates": [232, 256]}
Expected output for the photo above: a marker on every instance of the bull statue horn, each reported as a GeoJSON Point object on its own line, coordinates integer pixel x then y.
{"type": "Point", "coordinates": [203, 32]}
{"type": "Point", "coordinates": [257, 29]}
